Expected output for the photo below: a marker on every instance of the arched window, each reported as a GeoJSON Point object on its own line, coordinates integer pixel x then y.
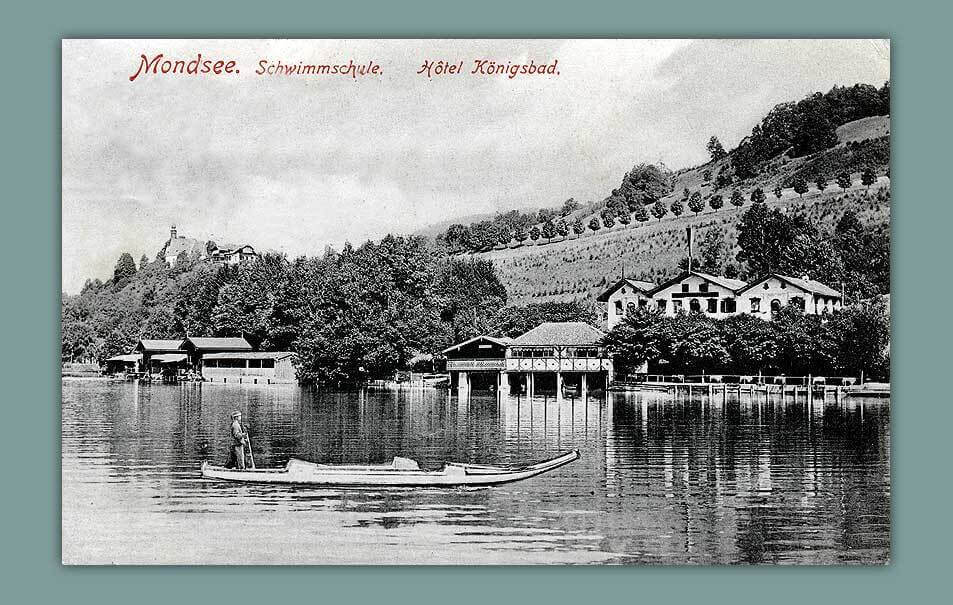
{"type": "Point", "coordinates": [775, 305]}
{"type": "Point", "coordinates": [798, 302]}
{"type": "Point", "coordinates": [694, 306]}
{"type": "Point", "coordinates": [618, 307]}
{"type": "Point", "coordinates": [630, 308]}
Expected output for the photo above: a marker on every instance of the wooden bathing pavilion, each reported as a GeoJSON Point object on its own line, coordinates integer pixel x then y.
{"type": "Point", "coordinates": [552, 358]}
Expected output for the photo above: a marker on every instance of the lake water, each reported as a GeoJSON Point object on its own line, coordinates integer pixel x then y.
{"type": "Point", "coordinates": [659, 481]}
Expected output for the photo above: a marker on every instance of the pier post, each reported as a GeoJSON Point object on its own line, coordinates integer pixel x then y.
{"type": "Point", "coordinates": [531, 382]}
{"type": "Point", "coordinates": [724, 394]}
{"type": "Point", "coordinates": [463, 381]}
{"type": "Point", "coordinates": [559, 387]}
{"type": "Point", "coordinates": [583, 387]}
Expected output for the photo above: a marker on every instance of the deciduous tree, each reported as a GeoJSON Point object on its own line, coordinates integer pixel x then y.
{"type": "Point", "coordinates": [737, 198]}
{"type": "Point", "coordinates": [695, 203]}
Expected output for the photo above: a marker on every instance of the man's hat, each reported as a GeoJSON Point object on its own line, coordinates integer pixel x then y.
{"type": "Point", "coordinates": [236, 414]}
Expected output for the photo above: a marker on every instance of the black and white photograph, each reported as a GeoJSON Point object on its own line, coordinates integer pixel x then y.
{"type": "Point", "coordinates": [476, 301]}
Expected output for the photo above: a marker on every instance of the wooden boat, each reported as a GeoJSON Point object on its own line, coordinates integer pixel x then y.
{"type": "Point", "coordinates": [401, 472]}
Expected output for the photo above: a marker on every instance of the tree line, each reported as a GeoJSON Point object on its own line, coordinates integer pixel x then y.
{"type": "Point", "coordinates": [353, 314]}
{"type": "Point", "coordinates": [853, 341]}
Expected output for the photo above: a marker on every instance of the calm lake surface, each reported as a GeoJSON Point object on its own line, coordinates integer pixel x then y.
{"type": "Point", "coordinates": [659, 481]}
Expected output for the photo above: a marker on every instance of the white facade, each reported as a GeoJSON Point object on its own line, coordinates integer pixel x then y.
{"type": "Point", "coordinates": [712, 296]}
{"type": "Point", "coordinates": [626, 295]}
{"type": "Point", "coordinates": [721, 297]}
{"type": "Point", "coordinates": [770, 293]}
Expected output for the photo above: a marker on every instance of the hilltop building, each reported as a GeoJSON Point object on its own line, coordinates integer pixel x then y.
{"type": "Point", "coordinates": [177, 244]}
{"type": "Point", "coordinates": [554, 356]}
{"type": "Point", "coordinates": [232, 254]}
{"type": "Point", "coordinates": [225, 254]}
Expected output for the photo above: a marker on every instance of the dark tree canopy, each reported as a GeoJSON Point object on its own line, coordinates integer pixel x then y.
{"type": "Point", "coordinates": [646, 183]}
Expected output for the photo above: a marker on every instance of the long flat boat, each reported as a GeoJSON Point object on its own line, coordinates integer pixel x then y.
{"type": "Point", "coordinates": [401, 472]}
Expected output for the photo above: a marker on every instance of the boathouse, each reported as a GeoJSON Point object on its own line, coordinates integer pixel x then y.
{"type": "Point", "coordinates": [249, 367]}
{"type": "Point", "coordinates": [553, 358]}
{"type": "Point", "coordinates": [156, 352]}
{"type": "Point", "coordinates": [478, 363]}
{"type": "Point", "coordinates": [124, 363]}
{"type": "Point", "coordinates": [197, 347]}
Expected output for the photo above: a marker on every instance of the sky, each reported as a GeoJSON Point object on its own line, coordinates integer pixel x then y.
{"type": "Point", "coordinates": [298, 163]}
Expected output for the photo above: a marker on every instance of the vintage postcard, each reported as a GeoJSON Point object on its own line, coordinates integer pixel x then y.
{"type": "Point", "coordinates": [476, 302]}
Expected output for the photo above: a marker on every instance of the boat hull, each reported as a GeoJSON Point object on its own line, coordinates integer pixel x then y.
{"type": "Point", "coordinates": [299, 472]}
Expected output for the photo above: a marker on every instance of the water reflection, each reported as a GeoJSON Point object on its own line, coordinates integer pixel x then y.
{"type": "Point", "coordinates": [692, 480]}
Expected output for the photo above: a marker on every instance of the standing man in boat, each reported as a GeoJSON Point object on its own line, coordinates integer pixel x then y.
{"type": "Point", "coordinates": [236, 456]}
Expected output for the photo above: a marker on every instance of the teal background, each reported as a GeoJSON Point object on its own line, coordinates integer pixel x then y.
{"type": "Point", "coordinates": [30, 68]}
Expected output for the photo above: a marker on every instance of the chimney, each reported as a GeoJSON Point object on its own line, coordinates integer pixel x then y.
{"type": "Point", "coordinates": [173, 232]}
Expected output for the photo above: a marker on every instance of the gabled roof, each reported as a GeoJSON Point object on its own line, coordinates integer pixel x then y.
{"type": "Point", "coordinates": [153, 345]}
{"type": "Point", "coordinates": [501, 341]}
{"type": "Point", "coordinates": [232, 248]}
{"type": "Point", "coordinates": [218, 344]}
{"type": "Point", "coordinates": [808, 285]}
{"type": "Point", "coordinates": [129, 358]}
{"type": "Point", "coordinates": [170, 357]}
{"type": "Point", "coordinates": [642, 286]}
{"type": "Point", "coordinates": [249, 355]}
{"type": "Point", "coordinates": [731, 284]}
{"type": "Point", "coordinates": [567, 333]}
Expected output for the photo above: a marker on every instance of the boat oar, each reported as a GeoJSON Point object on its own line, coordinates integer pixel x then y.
{"type": "Point", "coordinates": [251, 454]}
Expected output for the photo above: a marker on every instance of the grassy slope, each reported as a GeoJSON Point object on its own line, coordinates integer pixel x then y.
{"type": "Point", "coordinates": [581, 267]}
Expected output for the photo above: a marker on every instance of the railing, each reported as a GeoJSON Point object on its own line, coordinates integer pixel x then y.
{"type": "Point", "coordinates": [739, 379]}
{"type": "Point", "coordinates": [476, 364]}
{"type": "Point", "coordinates": [558, 364]}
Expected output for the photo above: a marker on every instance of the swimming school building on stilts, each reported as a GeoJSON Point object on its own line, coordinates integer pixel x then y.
{"type": "Point", "coordinates": [556, 358]}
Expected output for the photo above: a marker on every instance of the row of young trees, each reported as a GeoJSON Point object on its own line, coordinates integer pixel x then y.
{"type": "Point", "coordinates": [624, 209]}
{"type": "Point", "coordinates": [793, 343]}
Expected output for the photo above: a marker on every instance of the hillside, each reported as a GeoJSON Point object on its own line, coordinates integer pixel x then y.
{"type": "Point", "coordinates": [581, 267]}
{"type": "Point", "coordinates": [578, 267]}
